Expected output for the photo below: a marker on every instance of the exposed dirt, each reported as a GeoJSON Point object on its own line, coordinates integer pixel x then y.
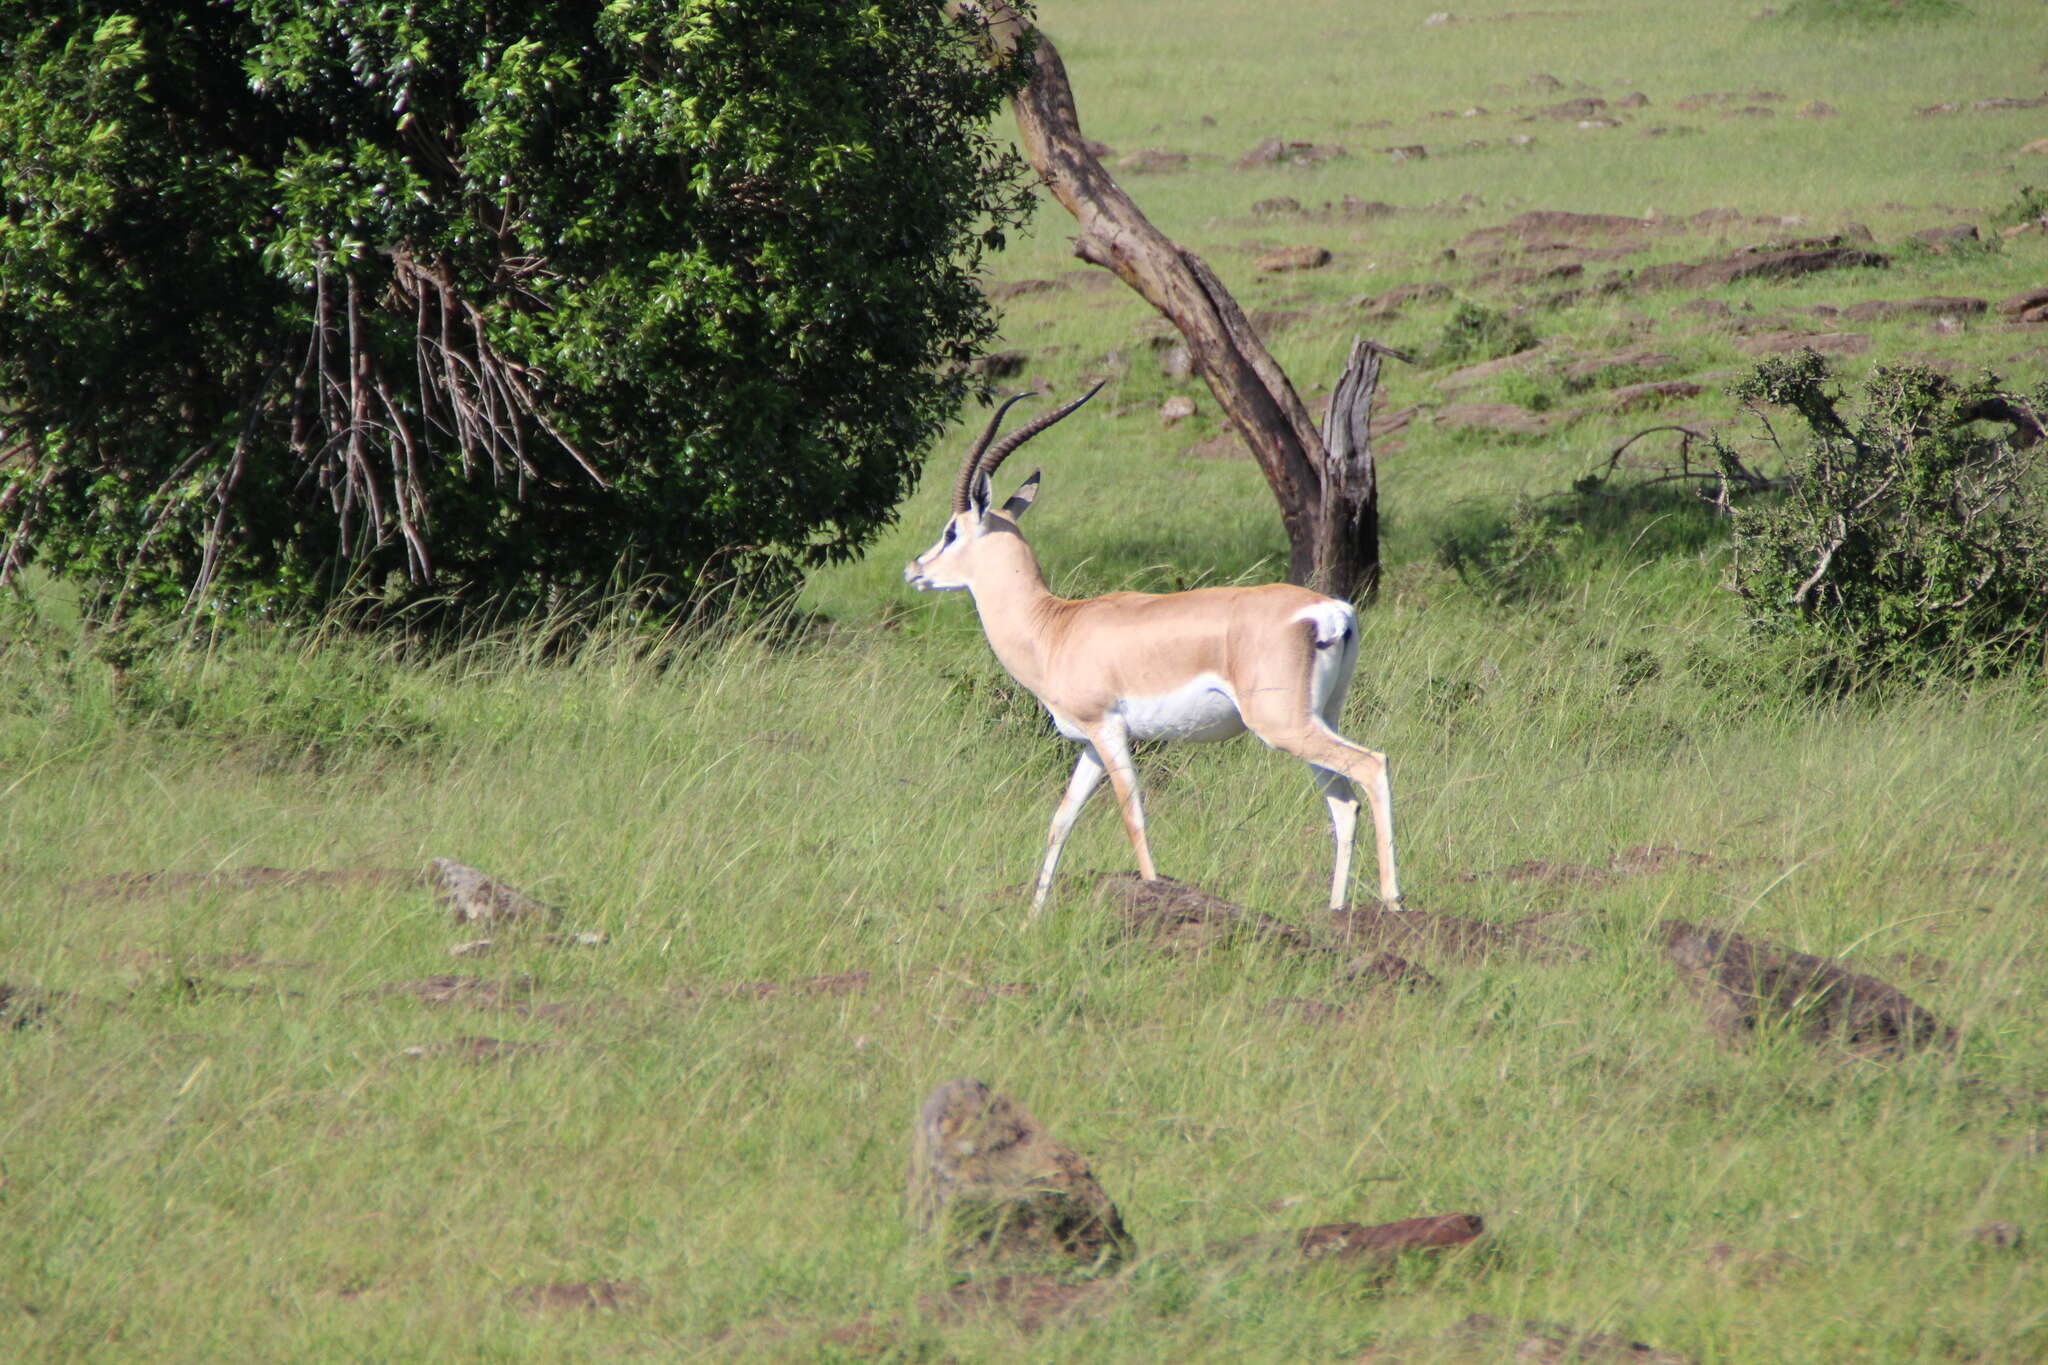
{"type": "Point", "coordinates": [1184, 918]}
{"type": "Point", "coordinates": [1745, 985]}
{"type": "Point", "coordinates": [479, 1049]}
{"type": "Point", "coordinates": [1385, 969]}
{"type": "Point", "coordinates": [1639, 861]}
{"type": "Point", "coordinates": [572, 1295]}
{"type": "Point", "coordinates": [1483, 1337]}
{"type": "Point", "coordinates": [1438, 935]}
{"type": "Point", "coordinates": [1827, 343]}
{"type": "Point", "coordinates": [1746, 1267]}
{"type": "Point", "coordinates": [474, 991]}
{"type": "Point", "coordinates": [130, 885]}
{"type": "Point", "coordinates": [23, 1007]}
{"type": "Point", "coordinates": [1756, 265]}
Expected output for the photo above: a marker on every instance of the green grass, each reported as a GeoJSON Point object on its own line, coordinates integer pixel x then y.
{"type": "Point", "coordinates": [266, 1171]}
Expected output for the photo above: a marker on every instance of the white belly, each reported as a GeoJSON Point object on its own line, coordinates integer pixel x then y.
{"type": "Point", "coordinates": [1201, 709]}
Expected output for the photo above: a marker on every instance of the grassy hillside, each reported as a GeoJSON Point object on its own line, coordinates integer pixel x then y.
{"type": "Point", "coordinates": [248, 1125]}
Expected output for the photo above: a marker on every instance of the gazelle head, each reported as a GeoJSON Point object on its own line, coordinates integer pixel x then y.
{"type": "Point", "coordinates": [950, 562]}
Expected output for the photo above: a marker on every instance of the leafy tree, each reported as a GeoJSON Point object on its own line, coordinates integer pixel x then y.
{"type": "Point", "coordinates": [478, 301]}
{"type": "Point", "coordinates": [1913, 539]}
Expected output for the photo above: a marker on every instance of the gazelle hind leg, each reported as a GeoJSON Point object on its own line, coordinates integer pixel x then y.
{"type": "Point", "coordinates": [1087, 776]}
{"type": "Point", "coordinates": [1343, 801]}
{"type": "Point", "coordinates": [1313, 741]}
{"type": "Point", "coordinates": [1112, 746]}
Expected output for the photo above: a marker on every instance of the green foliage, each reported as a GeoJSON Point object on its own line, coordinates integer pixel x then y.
{"type": "Point", "coordinates": [479, 304]}
{"type": "Point", "coordinates": [2029, 205]}
{"type": "Point", "coordinates": [1518, 558]}
{"type": "Point", "coordinates": [1475, 332]}
{"type": "Point", "coordinates": [1913, 540]}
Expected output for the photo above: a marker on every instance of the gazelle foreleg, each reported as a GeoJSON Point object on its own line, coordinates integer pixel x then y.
{"type": "Point", "coordinates": [1087, 776]}
{"type": "Point", "coordinates": [1112, 744]}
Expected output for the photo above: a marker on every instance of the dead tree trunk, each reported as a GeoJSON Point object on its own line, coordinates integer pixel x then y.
{"type": "Point", "coordinates": [1332, 532]}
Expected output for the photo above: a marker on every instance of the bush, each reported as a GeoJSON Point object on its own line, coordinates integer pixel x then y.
{"type": "Point", "coordinates": [1913, 540]}
{"type": "Point", "coordinates": [476, 303]}
{"type": "Point", "coordinates": [1475, 332]}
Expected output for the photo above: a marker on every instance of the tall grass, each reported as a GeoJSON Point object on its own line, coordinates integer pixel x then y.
{"type": "Point", "coordinates": [223, 1142]}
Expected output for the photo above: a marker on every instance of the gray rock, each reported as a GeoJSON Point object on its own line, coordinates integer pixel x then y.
{"type": "Point", "coordinates": [476, 897]}
{"type": "Point", "coordinates": [987, 1180]}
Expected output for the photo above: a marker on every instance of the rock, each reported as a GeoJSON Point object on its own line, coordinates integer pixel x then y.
{"type": "Point", "coordinates": [1501, 417]}
{"type": "Point", "coordinates": [1744, 985]}
{"type": "Point", "coordinates": [1817, 109]}
{"type": "Point", "coordinates": [1599, 123]}
{"type": "Point", "coordinates": [1953, 234]}
{"type": "Point", "coordinates": [1438, 20]}
{"type": "Point", "coordinates": [2023, 303]}
{"type": "Point", "coordinates": [1635, 99]}
{"type": "Point", "coordinates": [1354, 207]}
{"type": "Point", "coordinates": [2038, 147]}
{"type": "Point", "coordinates": [1632, 396]}
{"type": "Point", "coordinates": [1827, 343]}
{"type": "Point", "coordinates": [1997, 1233]}
{"type": "Point", "coordinates": [475, 897]}
{"type": "Point", "coordinates": [1569, 111]}
{"type": "Point", "coordinates": [1149, 160]}
{"type": "Point", "coordinates": [1281, 204]}
{"type": "Point", "coordinates": [1274, 151]}
{"type": "Point", "coordinates": [1934, 306]}
{"type": "Point", "coordinates": [1001, 364]}
{"type": "Point", "coordinates": [1292, 258]}
{"type": "Point", "coordinates": [1175, 409]}
{"type": "Point", "coordinates": [2008, 102]}
{"type": "Point", "coordinates": [991, 1185]}
{"type": "Point", "coordinates": [1378, 1242]}
{"type": "Point", "coordinates": [1177, 361]}
{"type": "Point", "coordinates": [476, 947]}
{"type": "Point", "coordinates": [1413, 151]}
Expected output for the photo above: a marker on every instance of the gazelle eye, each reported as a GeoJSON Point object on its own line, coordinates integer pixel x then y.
{"type": "Point", "coordinates": [951, 532]}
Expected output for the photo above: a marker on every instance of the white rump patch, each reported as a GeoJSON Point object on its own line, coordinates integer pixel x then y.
{"type": "Point", "coordinates": [1332, 619]}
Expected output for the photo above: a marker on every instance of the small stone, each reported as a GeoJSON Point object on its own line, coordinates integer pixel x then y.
{"type": "Point", "coordinates": [1438, 20]}
{"type": "Point", "coordinates": [476, 947]}
{"type": "Point", "coordinates": [1412, 152]}
{"type": "Point", "coordinates": [476, 897]}
{"type": "Point", "coordinates": [992, 1185]}
{"type": "Point", "coordinates": [1280, 204]}
{"type": "Point", "coordinates": [1175, 409]}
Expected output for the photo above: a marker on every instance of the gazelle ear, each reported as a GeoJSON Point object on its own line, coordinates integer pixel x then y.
{"type": "Point", "coordinates": [978, 495]}
{"type": "Point", "coordinates": [1022, 498]}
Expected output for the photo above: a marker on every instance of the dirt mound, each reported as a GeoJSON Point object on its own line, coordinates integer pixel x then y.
{"type": "Point", "coordinates": [1745, 985]}
{"type": "Point", "coordinates": [1637, 861]}
{"type": "Point", "coordinates": [1374, 928]}
{"type": "Point", "coordinates": [1502, 417]}
{"type": "Point", "coordinates": [1184, 918]}
{"type": "Point", "coordinates": [572, 1295]}
{"type": "Point", "coordinates": [1538, 224]}
{"type": "Point", "coordinates": [1756, 265]}
{"type": "Point", "coordinates": [1827, 343]}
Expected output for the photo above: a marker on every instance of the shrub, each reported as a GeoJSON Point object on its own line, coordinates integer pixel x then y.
{"type": "Point", "coordinates": [1913, 539]}
{"type": "Point", "coordinates": [482, 304]}
{"type": "Point", "coordinates": [1475, 332]}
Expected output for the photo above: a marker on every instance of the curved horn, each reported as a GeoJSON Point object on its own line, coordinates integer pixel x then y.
{"type": "Point", "coordinates": [965, 481]}
{"type": "Point", "coordinates": [1009, 443]}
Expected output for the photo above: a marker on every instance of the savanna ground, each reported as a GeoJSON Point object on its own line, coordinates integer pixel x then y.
{"type": "Point", "coordinates": [224, 1139]}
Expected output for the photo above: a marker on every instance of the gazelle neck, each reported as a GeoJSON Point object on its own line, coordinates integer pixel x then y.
{"type": "Point", "coordinates": [1010, 595]}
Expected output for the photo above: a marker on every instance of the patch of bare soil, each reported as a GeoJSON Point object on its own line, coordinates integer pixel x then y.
{"type": "Point", "coordinates": [1507, 418]}
{"type": "Point", "coordinates": [1933, 306]}
{"type": "Point", "coordinates": [1484, 1337]}
{"type": "Point", "coordinates": [23, 1007]}
{"type": "Point", "coordinates": [572, 1295]}
{"type": "Point", "coordinates": [1030, 1302]}
{"type": "Point", "coordinates": [479, 1049]}
{"type": "Point", "coordinates": [1436, 934]}
{"type": "Point", "coordinates": [1780, 264]}
{"type": "Point", "coordinates": [1385, 969]}
{"type": "Point", "coordinates": [474, 991]}
{"type": "Point", "coordinates": [1184, 918]}
{"type": "Point", "coordinates": [1001, 291]}
{"type": "Point", "coordinates": [1746, 1267]}
{"type": "Point", "coordinates": [1543, 224]}
{"type": "Point", "coordinates": [130, 885]}
{"type": "Point", "coordinates": [1744, 985]}
{"type": "Point", "coordinates": [1827, 343]}
{"type": "Point", "coordinates": [1640, 861]}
